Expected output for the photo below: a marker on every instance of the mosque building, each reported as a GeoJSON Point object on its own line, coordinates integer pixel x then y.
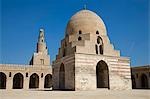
{"type": "Point", "coordinates": [86, 60]}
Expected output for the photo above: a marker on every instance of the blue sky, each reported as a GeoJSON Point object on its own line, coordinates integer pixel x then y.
{"type": "Point", "coordinates": [126, 22]}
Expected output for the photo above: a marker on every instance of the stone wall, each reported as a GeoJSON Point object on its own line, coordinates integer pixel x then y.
{"type": "Point", "coordinates": [69, 63]}
{"type": "Point", "coordinates": [85, 72]}
{"type": "Point", "coordinates": [11, 69]}
{"type": "Point", "coordinates": [137, 73]}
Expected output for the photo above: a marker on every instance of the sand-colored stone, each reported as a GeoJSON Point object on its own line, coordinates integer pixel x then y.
{"type": "Point", "coordinates": [98, 94]}
{"type": "Point", "coordinates": [86, 44]}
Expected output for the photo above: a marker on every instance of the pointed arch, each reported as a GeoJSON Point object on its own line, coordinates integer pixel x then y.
{"type": "Point", "coordinates": [144, 81]}
{"type": "Point", "coordinates": [80, 32]}
{"type": "Point", "coordinates": [48, 81]}
{"type": "Point", "coordinates": [62, 77]}
{"type": "Point", "coordinates": [79, 38]}
{"type": "Point", "coordinates": [3, 79]}
{"type": "Point", "coordinates": [100, 45]}
{"type": "Point", "coordinates": [34, 81]}
{"type": "Point", "coordinates": [97, 32]}
{"type": "Point", "coordinates": [18, 81]}
{"type": "Point", "coordinates": [102, 75]}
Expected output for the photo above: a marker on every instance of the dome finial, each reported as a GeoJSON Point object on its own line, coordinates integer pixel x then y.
{"type": "Point", "coordinates": [84, 6]}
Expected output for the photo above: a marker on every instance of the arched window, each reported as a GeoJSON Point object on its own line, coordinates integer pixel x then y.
{"type": "Point", "coordinates": [101, 49]}
{"type": "Point", "coordinates": [41, 75]}
{"type": "Point", "coordinates": [26, 74]}
{"type": "Point", "coordinates": [18, 81]}
{"type": "Point", "coordinates": [2, 80]}
{"type": "Point", "coordinates": [97, 32]}
{"type": "Point", "coordinates": [96, 48]}
{"type": "Point", "coordinates": [79, 38]}
{"type": "Point", "coordinates": [99, 45]}
{"type": "Point", "coordinates": [80, 32]}
{"type": "Point", "coordinates": [9, 74]}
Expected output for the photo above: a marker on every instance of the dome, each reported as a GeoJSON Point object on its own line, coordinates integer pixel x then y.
{"type": "Point", "coordinates": [87, 22]}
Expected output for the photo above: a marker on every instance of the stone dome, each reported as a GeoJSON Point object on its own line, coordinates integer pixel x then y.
{"type": "Point", "coordinates": [85, 21]}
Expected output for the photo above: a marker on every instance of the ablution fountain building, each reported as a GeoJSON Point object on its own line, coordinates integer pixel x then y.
{"type": "Point", "coordinates": [86, 60]}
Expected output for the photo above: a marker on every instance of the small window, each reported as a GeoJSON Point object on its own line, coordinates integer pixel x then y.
{"type": "Point", "coordinates": [42, 61]}
{"type": "Point", "coordinates": [79, 38]}
{"type": "Point", "coordinates": [97, 32]}
{"type": "Point", "coordinates": [9, 74]}
{"type": "Point", "coordinates": [80, 32]}
{"type": "Point", "coordinates": [26, 74]}
{"type": "Point", "coordinates": [96, 49]}
{"type": "Point", "coordinates": [101, 49]}
{"type": "Point", "coordinates": [42, 75]}
{"type": "Point", "coordinates": [42, 40]}
{"type": "Point", "coordinates": [99, 40]}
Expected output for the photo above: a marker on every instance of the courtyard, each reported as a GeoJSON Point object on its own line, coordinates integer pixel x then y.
{"type": "Point", "coordinates": [97, 94]}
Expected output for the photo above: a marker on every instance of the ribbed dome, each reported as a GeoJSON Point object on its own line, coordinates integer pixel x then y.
{"type": "Point", "coordinates": [86, 21]}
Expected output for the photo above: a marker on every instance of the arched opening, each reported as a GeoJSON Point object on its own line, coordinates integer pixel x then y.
{"type": "Point", "coordinates": [79, 38]}
{"type": "Point", "coordinates": [96, 49]}
{"type": "Point", "coordinates": [62, 77]}
{"type": "Point", "coordinates": [48, 81]}
{"type": "Point", "coordinates": [99, 45]}
{"type": "Point", "coordinates": [133, 82]}
{"type": "Point", "coordinates": [34, 81]}
{"type": "Point", "coordinates": [97, 32]}
{"type": "Point", "coordinates": [2, 80]}
{"type": "Point", "coordinates": [144, 81]}
{"type": "Point", "coordinates": [101, 49]}
{"type": "Point", "coordinates": [80, 32]}
{"type": "Point", "coordinates": [102, 75]}
{"type": "Point", "coordinates": [18, 81]}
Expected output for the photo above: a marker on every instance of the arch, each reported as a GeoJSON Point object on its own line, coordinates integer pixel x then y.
{"type": "Point", "coordinates": [100, 44]}
{"type": "Point", "coordinates": [62, 77]}
{"type": "Point", "coordinates": [34, 81]}
{"type": "Point", "coordinates": [18, 81]}
{"type": "Point", "coordinates": [96, 49]}
{"type": "Point", "coordinates": [80, 32]}
{"type": "Point", "coordinates": [2, 80]}
{"type": "Point", "coordinates": [102, 75]}
{"type": "Point", "coordinates": [133, 82]}
{"type": "Point", "coordinates": [48, 81]}
{"type": "Point", "coordinates": [144, 81]}
{"type": "Point", "coordinates": [97, 32]}
{"type": "Point", "coordinates": [79, 38]}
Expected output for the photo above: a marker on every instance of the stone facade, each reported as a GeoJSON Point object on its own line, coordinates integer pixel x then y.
{"type": "Point", "coordinates": [88, 59]}
{"type": "Point", "coordinates": [141, 77]}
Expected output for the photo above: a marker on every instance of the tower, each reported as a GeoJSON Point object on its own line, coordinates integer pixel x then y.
{"type": "Point", "coordinates": [87, 60]}
{"type": "Point", "coordinates": [41, 57]}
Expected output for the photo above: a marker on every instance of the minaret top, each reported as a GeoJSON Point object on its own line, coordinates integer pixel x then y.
{"type": "Point", "coordinates": [41, 38]}
{"type": "Point", "coordinates": [41, 45]}
{"type": "Point", "coordinates": [41, 56]}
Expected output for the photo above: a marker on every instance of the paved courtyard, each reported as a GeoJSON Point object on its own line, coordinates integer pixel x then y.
{"type": "Point", "coordinates": [98, 94]}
